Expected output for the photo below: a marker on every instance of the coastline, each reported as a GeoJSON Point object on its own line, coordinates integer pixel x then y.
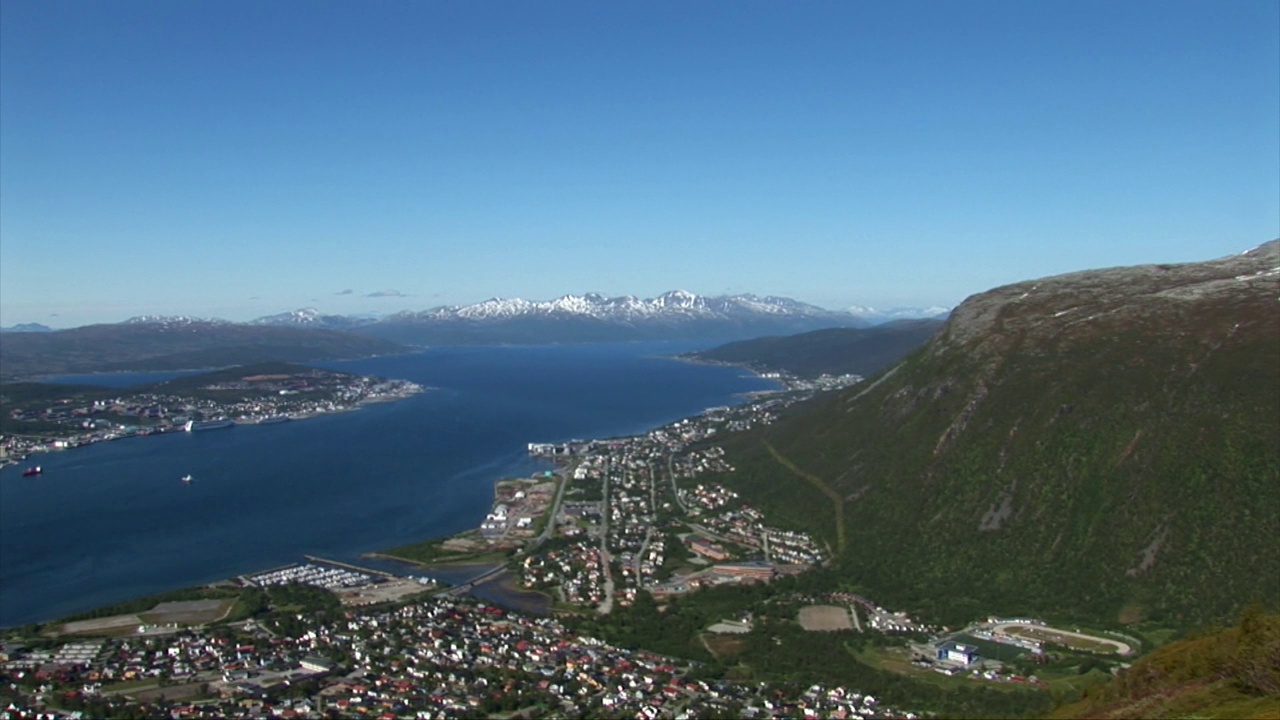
{"type": "Point", "coordinates": [74, 442]}
{"type": "Point", "coordinates": [464, 564]}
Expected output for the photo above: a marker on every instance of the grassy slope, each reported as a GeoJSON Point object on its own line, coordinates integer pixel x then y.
{"type": "Point", "coordinates": [1031, 465]}
{"type": "Point", "coordinates": [1233, 673]}
{"type": "Point", "coordinates": [833, 351]}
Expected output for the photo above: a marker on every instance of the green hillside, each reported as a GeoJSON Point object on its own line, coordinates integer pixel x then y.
{"type": "Point", "coordinates": [1101, 446]}
{"type": "Point", "coordinates": [834, 351]}
{"type": "Point", "coordinates": [1232, 673]}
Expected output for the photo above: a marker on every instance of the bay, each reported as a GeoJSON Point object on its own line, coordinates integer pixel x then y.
{"type": "Point", "coordinates": [114, 521]}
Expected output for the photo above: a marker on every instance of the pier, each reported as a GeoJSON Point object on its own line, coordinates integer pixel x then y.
{"type": "Point", "coordinates": [353, 568]}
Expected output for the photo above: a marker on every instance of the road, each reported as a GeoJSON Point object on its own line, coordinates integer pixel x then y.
{"type": "Point", "coordinates": [671, 472]}
{"type": "Point", "coordinates": [482, 578]}
{"type": "Point", "coordinates": [606, 606]}
{"type": "Point", "coordinates": [853, 612]}
{"type": "Point", "coordinates": [552, 514]}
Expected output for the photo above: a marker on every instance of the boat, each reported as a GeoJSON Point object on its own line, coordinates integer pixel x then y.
{"type": "Point", "coordinates": [32, 471]}
{"type": "Point", "coordinates": [187, 479]}
{"type": "Point", "coordinates": [274, 419]}
{"type": "Point", "coordinates": [193, 426]}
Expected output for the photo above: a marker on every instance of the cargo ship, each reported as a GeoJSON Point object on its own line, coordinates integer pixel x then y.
{"type": "Point", "coordinates": [193, 426]}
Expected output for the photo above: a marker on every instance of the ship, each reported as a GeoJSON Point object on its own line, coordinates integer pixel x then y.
{"type": "Point", "coordinates": [32, 471]}
{"type": "Point", "coordinates": [274, 419]}
{"type": "Point", "coordinates": [187, 479]}
{"type": "Point", "coordinates": [193, 426]}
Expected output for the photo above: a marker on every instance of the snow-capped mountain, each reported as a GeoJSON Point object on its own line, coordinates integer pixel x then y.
{"type": "Point", "coordinates": [313, 318]}
{"type": "Point", "coordinates": [874, 316]}
{"type": "Point", "coordinates": [676, 303]}
{"type": "Point", "coordinates": [676, 315]}
{"type": "Point", "coordinates": [173, 320]}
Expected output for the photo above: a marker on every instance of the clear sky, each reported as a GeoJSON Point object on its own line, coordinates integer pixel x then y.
{"type": "Point", "coordinates": [236, 159]}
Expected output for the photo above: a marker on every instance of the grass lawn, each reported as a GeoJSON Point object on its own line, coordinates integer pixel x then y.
{"type": "Point", "coordinates": [724, 646]}
{"type": "Point", "coordinates": [991, 650]}
{"type": "Point", "coordinates": [130, 684]}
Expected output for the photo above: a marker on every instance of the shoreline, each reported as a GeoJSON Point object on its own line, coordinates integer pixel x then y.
{"type": "Point", "coordinates": [506, 578]}
{"type": "Point", "coordinates": [75, 443]}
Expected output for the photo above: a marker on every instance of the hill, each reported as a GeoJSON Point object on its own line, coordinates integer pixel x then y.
{"type": "Point", "coordinates": [26, 327]}
{"type": "Point", "coordinates": [151, 344]}
{"type": "Point", "coordinates": [833, 351]}
{"type": "Point", "coordinates": [1098, 446]}
{"type": "Point", "coordinates": [1232, 673]}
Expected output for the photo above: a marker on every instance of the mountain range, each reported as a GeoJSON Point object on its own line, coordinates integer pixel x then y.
{"type": "Point", "coordinates": [877, 316]}
{"type": "Point", "coordinates": [175, 343]}
{"type": "Point", "coordinates": [1093, 447]}
{"type": "Point", "coordinates": [591, 317]}
{"type": "Point", "coordinates": [676, 315]}
{"type": "Point", "coordinates": [154, 342]}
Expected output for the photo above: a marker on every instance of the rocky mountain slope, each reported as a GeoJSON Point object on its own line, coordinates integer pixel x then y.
{"type": "Point", "coordinates": [1101, 445]}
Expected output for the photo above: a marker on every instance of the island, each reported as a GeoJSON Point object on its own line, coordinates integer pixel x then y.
{"type": "Point", "coordinates": [40, 417]}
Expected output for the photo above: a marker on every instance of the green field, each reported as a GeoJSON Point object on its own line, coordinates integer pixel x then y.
{"type": "Point", "coordinates": [991, 650]}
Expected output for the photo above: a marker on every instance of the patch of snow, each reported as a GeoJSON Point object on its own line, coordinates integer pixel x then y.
{"type": "Point", "coordinates": [1260, 274]}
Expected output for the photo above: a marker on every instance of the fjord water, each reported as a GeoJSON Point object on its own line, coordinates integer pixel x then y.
{"type": "Point", "coordinates": [114, 521]}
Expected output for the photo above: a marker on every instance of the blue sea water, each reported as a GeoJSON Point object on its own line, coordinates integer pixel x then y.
{"type": "Point", "coordinates": [114, 521]}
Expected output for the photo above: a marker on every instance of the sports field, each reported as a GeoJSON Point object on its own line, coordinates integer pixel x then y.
{"type": "Point", "coordinates": [1073, 640]}
{"type": "Point", "coordinates": [188, 612]}
{"type": "Point", "coordinates": [825, 618]}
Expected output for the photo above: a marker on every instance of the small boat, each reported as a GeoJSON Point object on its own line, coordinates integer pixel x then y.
{"type": "Point", "coordinates": [187, 479]}
{"type": "Point", "coordinates": [32, 471]}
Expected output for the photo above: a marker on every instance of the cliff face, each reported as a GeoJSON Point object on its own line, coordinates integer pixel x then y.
{"type": "Point", "coordinates": [1101, 444]}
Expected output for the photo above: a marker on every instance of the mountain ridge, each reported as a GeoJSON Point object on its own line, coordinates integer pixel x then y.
{"type": "Point", "coordinates": [832, 351]}
{"type": "Point", "coordinates": [175, 343]}
{"type": "Point", "coordinates": [590, 317]}
{"type": "Point", "coordinates": [1094, 445]}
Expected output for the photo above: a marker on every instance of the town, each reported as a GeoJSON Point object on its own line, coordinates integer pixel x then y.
{"type": "Point", "coordinates": [437, 657]}
{"type": "Point", "coordinates": [630, 515]}
{"type": "Point", "coordinates": [619, 521]}
{"type": "Point", "coordinates": [46, 417]}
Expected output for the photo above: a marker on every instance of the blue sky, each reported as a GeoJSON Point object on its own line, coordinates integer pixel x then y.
{"type": "Point", "coordinates": [237, 159]}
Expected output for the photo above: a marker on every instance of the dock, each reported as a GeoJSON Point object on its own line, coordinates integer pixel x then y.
{"type": "Point", "coordinates": [353, 568]}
